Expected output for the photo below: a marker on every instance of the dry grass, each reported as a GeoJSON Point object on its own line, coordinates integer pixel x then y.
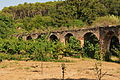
{"type": "Point", "coordinates": [78, 69]}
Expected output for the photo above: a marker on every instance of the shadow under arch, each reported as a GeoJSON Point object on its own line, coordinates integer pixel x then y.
{"type": "Point", "coordinates": [20, 38]}
{"type": "Point", "coordinates": [91, 37]}
{"type": "Point", "coordinates": [91, 45]}
{"type": "Point", "coordinates": [67, 37]}
{"type": "Point", "coordinates": [114, 46]}
{"type": "Point", "coordinates": [107, 39]}
{"type": "Point", "coordinates": [29, 38]}
{"type": "Point", "coordinates": [42, 36]}
{"type": "Point", "coordinates": [39, 36]}
{"type": "Point", "coordinates": [110, 40]}
{"type": "Point", "coordinates": [109, 35]}
{"type": "Point", "coordinates": [53, 38]}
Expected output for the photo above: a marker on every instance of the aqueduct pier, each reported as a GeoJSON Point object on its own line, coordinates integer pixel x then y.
{"type": "Point", "coordinates": [103, 34]}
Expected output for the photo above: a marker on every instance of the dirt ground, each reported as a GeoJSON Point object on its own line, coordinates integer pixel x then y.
{"type": "Point", "coordinates": [77, 69]}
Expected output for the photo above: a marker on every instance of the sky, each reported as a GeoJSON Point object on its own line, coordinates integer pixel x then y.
{"type": "Point", "coordinates": [7, 3]}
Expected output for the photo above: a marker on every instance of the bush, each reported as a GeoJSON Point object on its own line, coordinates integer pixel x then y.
{"type": "Point", "coordinates": [4, 56]}
{"type": "Point", "coordinates": [40, 49]}
{"type": "Point", "coordinates": [73, 47]}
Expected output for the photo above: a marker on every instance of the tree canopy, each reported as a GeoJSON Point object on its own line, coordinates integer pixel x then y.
{"type": "Point", "coordinates": [61, 13]}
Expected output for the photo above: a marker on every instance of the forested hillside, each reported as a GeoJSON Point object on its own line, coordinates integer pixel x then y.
{"type": "Point", "coordinates": [66, 13]}
{"type": "Point", "coordinates": [74, 9]}
{"type": "Point", "coordinates": [57, 15]}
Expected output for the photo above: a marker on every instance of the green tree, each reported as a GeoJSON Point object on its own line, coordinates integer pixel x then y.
{"type": "Point", "coordinates": [6, 26]}
{"type": "Point", "coordinates": [73, 47]}
{"type": "Point", "coordinates": [91, 46]}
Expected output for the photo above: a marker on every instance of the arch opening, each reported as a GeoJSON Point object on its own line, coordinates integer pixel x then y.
{"type": "Point", "coordinates": [109, 36]}
{"type": "Point", "coordinates": [91, 46]}
{"type": "Point", "coordinates": [29, 38]}
{"type": "Point", "coordinates": [53, 38]}
{"type": "Point", "coordinates": [67, 38]}
{"type": "Point", "coordinates": [114, 47]}
{"type": "Point", "coordinates": [73, 46]}
{"type": "Point", "coordinates": [41, 37]}
{"type": "Point", "coordinates": [20, 38]}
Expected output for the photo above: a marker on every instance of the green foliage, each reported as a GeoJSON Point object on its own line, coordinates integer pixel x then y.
{"type": "Point", "coordinates": [114, 47]}
{"type": "Point", "coordinates": [40, 49]}
{"type": "Point", "coordinates": [68, 13]}
{"type": "Point", "coordinates": [59, 14]}
{"type": "Point", "coordinates": [91, 47]}
{"type": "Point", "coordinates": [117, 51]}
{"type": "Point", "coordinates": [6, 26]}
{"type": "Point", "coordinates": [4, 56]}
{"type": "Point", "coordinates": [40, 22]}
{"type": "Point", "coordinates": [88, 10]}
{"type": "Point", "coordinates": [73, 47]}
{"type": "Point", "coordinates": [112, 6]}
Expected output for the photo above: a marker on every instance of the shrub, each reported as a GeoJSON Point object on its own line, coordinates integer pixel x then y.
{"type": "Point", "coordinates": [73, 47]}
{"type": "Point", "coordinates": [4, 56]}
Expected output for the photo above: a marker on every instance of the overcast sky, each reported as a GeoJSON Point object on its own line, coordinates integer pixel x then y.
{"type": "Point", "coordinates": [6, 3]}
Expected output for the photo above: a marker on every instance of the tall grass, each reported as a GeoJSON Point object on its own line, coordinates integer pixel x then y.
{"type": "Point", "coordinates": [106, 21]}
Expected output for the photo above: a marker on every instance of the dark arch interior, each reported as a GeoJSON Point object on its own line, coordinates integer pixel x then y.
{"type": "Point", "coordinates": [91, 45]}
{"type": "Point", "coordinates": [39, 37]}
{"type": "Point", "coordinates": [29, 38]}
{"type": "Point", "coordinates": [114, 44]}
{"type": "Point", "coordinates": [91, 38]}
{"type": "Point", "coordinates": [20, 38]}
{"type": "Point", "coordinates": [67, 37]}
{"type": "Point", "coordinates": [53, 38]}
{"type": "Point", "coordinates": [109, 35]}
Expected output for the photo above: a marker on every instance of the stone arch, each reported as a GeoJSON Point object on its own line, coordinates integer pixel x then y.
{"type": "Point", "coordinates": [53, 37]}
{"type": "Point", "coordinates": [28, 38]}
{"type": "Point", "coordinates": [39, 36]}
{"type": "Point", "coordinates": [90, 34]}
{"type": "Point", "coordinates": [119, 37]}
{"type": "Point", "coordinates": [67, 37]}
{"type": "Point", "coordinates": [20, 38]}
{"type": "Point", "coordinates": [114, 41]}
{"type": "Point", "coordinates": [109, 34]}
{"type": "Point", "coordinates": [34, 36]}
{"type": "Point", "coordinates": [107, 39]}
{"type": "Point", "coordinates": [91, 44]}
{"type": "Point", "coordinates": [114, 45]}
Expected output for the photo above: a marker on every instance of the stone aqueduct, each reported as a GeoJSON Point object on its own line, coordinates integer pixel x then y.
{"type": "Point", "coordinates": [103, 34]}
